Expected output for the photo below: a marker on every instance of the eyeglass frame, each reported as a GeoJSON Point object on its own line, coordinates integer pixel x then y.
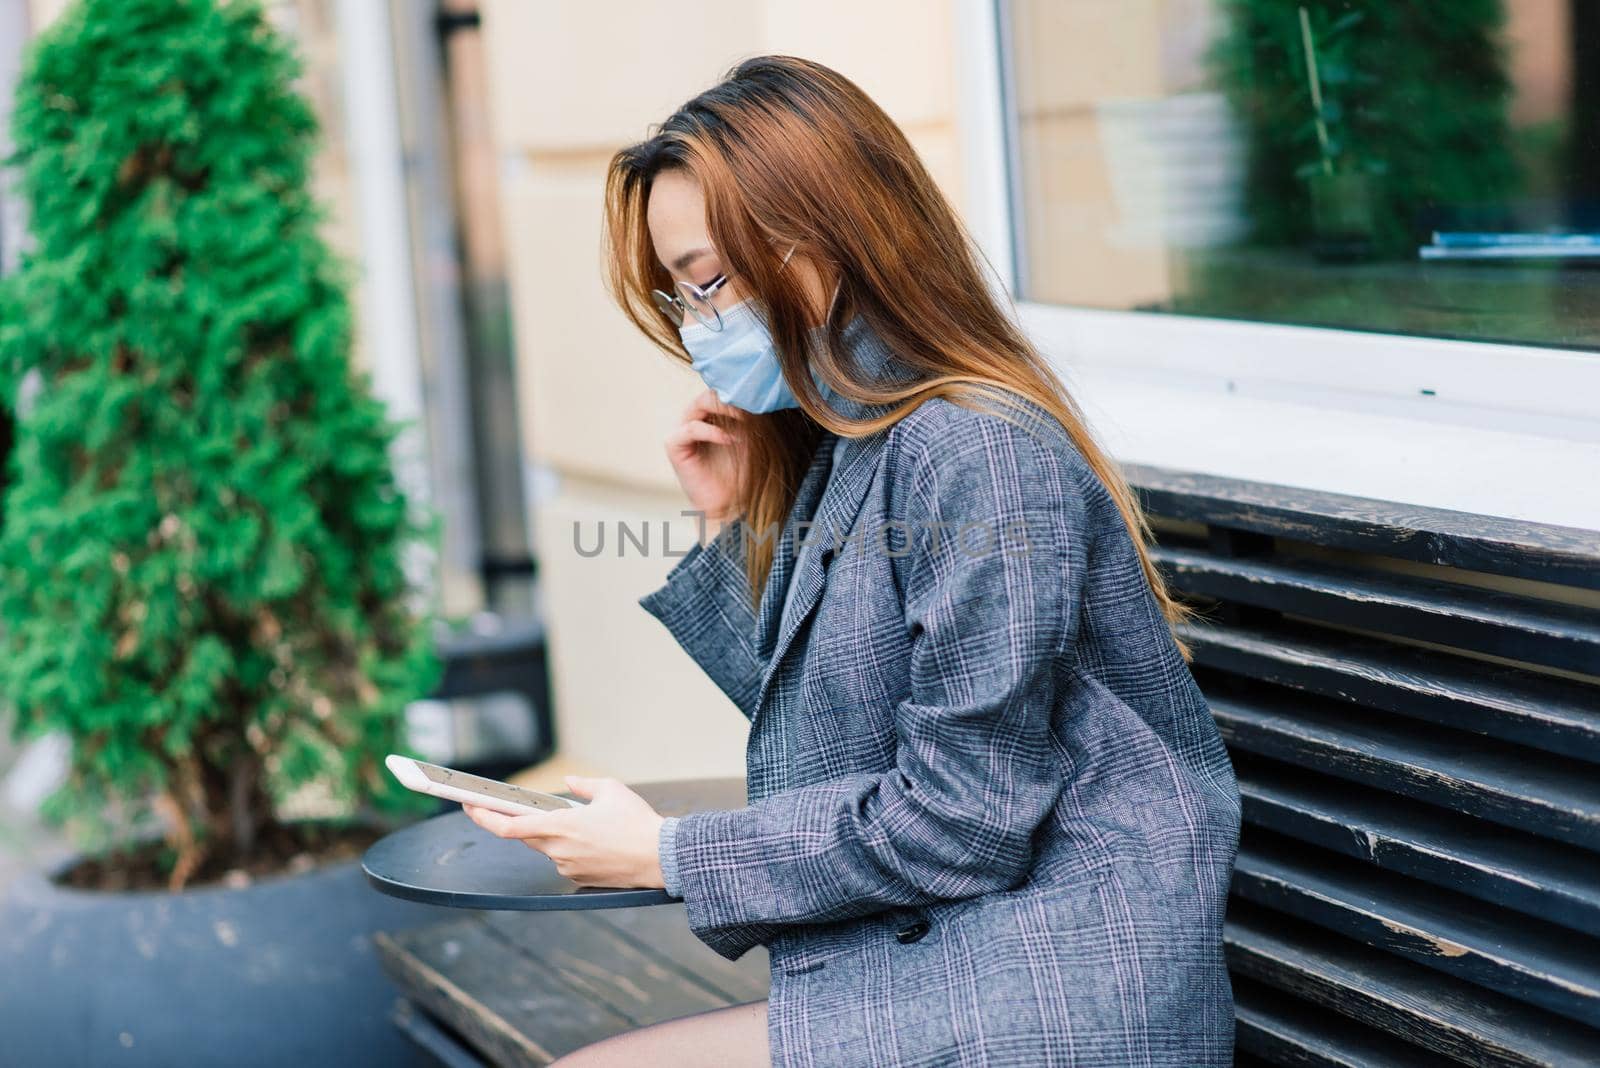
{"type": "Point", "coordinates": [668, 302]}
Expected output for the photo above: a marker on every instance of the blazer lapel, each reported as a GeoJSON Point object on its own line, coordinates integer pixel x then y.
{"type": "Point", "coordinates": [835, 514]}
{"type": "Point", "coordinates": [784, 559]}
{"type": "Point", "coordinates": [832, 502]}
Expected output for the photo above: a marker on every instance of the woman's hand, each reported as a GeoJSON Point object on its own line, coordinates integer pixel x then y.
{"type": "Point", "coordinates": [611, 841]}
{"type": "Point", "coordinates": [707, 455]}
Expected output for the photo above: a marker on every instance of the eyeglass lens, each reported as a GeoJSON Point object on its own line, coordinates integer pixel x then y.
{"type": "Point", "coordinates": [700, 305]}
{"type": "Point", "coordinates": [669, 307]}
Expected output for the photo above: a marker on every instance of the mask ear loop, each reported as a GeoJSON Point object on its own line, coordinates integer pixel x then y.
{"type": "Point", "coordinates": [833, 303]}
{"type": "Point", "coordinates": [833, 300]}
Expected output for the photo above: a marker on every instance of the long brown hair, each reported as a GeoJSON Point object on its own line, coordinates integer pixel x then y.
{"type": "Point", "coordinates": [790, 152]}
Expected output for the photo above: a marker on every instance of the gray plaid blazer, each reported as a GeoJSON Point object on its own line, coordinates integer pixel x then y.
{"type": "Point", "coordinates": [990, 819]}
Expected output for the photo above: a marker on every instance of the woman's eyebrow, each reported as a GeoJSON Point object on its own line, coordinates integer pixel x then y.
{"type": "Point", "coordinates": [683, 261]}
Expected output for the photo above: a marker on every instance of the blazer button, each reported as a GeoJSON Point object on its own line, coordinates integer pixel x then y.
{"type": "Point", "coordinates": [912, 931]}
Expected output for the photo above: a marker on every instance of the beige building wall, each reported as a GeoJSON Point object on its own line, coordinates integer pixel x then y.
{"type": "Point", "coordinates": [572, 83]}
{"type": "Point", "coordinates": [1100, 144]}
{"type": "Point", "coordinates": [44, 12]}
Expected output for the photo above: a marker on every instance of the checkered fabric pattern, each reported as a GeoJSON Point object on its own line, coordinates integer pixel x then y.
{"type": "Point", "coordinates": [990, 818]}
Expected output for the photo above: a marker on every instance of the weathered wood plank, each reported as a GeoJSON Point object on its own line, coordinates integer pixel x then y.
{"type": "Point", "coordinates": [1550, 633]}
{"type": "Point", "coordinates": [612, 966]}
{"type": "Point", "coordinates": [1282, 1031]}
{"type": "Point", "coordinates": [1554, 881]}
{"type": "Point", "coordinates": [1420, 825]}
{"type": "Point", "coordinates": [1548, 553]}
{"type": "Point", "coordinates": [1244, 1059]}
{"type": "Point", "coordinates": [523, 988]}
{"type": "Point", "coordinates": [479, 985]}
{"type": "Point", "coordinates": [1522, 957]}
{"type": "Point", "coordinates": [432, 990]}
{"type": "Point", "coordinates": [449, 1049]}
{"type": "Point", "coordinates": [1549, 795]}
{"type": "Point", "coordinates": [1416, 1004]}
{"type": "Point", "coordinates": [1499, 700]}
{"type": "Point", "coordinates": [664, 929]}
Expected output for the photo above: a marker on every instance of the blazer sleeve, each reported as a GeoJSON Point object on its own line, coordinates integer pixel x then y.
{"type": "Point", "coordinates": [991, 573]}
{"type": "Point", "coordinates": [705, 604]}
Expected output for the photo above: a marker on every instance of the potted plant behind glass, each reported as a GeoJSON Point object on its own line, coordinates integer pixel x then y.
{"type": "Point", "coordinates": [202, 580]}
{"type": "Point", "coordinates": [1415, 100]}
{"type": "Point", "coordinates": [1343, 212]}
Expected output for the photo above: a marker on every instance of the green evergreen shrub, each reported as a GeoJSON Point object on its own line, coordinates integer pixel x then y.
{"type": "Point", "coordinates": [201, 557]}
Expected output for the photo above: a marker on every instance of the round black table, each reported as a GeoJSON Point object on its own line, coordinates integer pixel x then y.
{"type": "Point", "coordinates": [449, 860]}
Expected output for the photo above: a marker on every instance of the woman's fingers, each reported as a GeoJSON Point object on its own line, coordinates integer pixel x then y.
{"type": "Point", "coordinates": [707, 403]}
{"type": "Point", "coordinates": [698, 430]}
{"type": "Point", "coordinates": [531, 825]}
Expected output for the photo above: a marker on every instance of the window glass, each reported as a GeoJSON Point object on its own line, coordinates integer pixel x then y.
{"type": "Point", "coordinates": [1406, 166]}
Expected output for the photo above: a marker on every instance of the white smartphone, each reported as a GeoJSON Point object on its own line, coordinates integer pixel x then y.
{"type": "Point", "coordinates": [492, 794]}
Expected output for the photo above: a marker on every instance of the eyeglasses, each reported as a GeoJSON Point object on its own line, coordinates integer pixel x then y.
{"type": "Point", "coordinates": [696, 300]}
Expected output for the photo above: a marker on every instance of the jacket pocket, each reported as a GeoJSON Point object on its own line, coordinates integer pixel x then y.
{"type": "Point", "coordinates": [813, 946]}
{"type": "Point", "coordinates": [1053, 888]}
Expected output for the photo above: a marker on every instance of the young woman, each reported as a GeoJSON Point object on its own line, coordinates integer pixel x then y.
{"type": "Point", "coordinates": [990, 819]}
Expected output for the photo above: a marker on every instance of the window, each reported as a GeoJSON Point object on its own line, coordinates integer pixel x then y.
{"type": "Point", "coordinates": [1398, 166]}
{"type": "Point", "coordinates": [1112, 177]}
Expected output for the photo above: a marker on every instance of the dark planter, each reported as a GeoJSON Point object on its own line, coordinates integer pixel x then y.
{"type": "Point", "coordinates": [1343, 216]}
{"type": "Point", "coordinates": [278, 973]}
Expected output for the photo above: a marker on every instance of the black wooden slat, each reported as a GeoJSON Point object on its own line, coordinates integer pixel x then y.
{"type": "Point", "coordinates": [1420, 1005]}
{"type": "Point", "coordinates": [1419, 874]}
{"type": "Point", "coordinates": [526, 987]}
{"type": "Point", "coordinates": [1556, 882]}
{"type": "Point", "coordinates": [1458, 691]}
{"type": "Point", "coordinates": [597, 957]}
{"type": "Point", "coordinates": [665, 928]}
{"type": "Point", "coordinates": [1569, 556]}
{"type": "Point", "coordinates": [1553, 796]}
{"type": "Point", "coordinates": [475, 982]}
{"type": "Point", "coordinates": [443, 1046]}
{"type": "Point", "coordinates": [1553, 634]}
{"type": "Point", "coordinates": [1244, 1059]}
{"type": "Point", "coordinates": [1517, 955]}
{"type": "Point", "coordinates": [1286, 1032]}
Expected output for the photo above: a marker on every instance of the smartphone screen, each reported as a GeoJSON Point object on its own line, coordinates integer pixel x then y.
{"type": "Point", "coordinates": [503, 790]}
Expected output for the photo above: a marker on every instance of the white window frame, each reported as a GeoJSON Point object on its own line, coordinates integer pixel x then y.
{"type": "Point", "coordinates": [1494, 429]}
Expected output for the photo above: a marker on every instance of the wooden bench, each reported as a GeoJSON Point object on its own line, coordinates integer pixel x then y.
{"type": "Point", "coordinates": [1412, 701]}
{"type": "Point", "coordinates": [522, 988]}
{"type": "Point", "coordinates": [1411, 698]}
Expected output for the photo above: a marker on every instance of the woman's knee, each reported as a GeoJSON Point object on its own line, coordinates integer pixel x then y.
{"type": "Point", "coordinates": [733, 1035]}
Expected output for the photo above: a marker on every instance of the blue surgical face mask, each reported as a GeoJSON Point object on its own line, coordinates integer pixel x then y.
{"type": "Point", "coordinates": [740, 361]}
